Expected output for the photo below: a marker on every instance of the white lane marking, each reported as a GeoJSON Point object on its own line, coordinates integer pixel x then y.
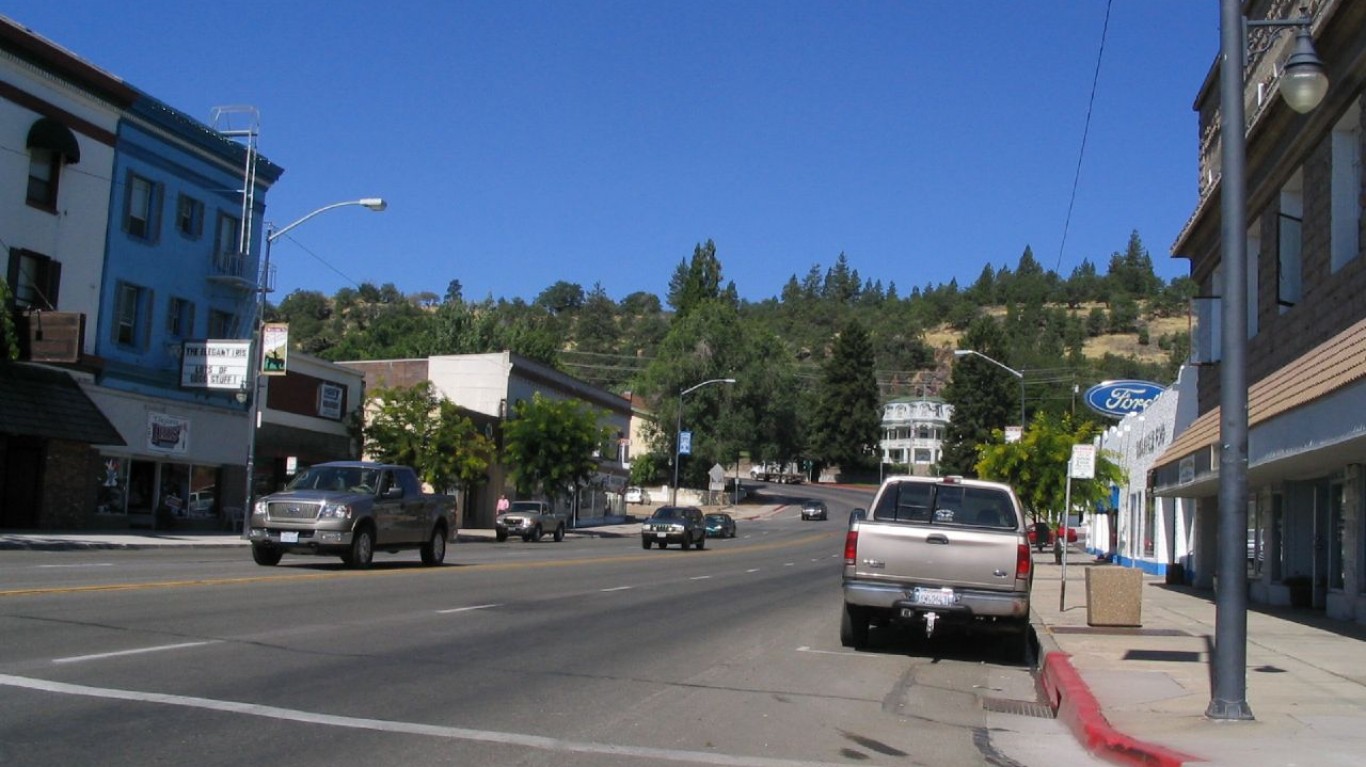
{"type": "Point", "coordinates": [617, 588]}
{"type": "Point", "coordinates": [411, 728]}
{"type": "Point", "coordinates": [465, 609]}
{"type": "Point", "coordinates": [88, 564]}
{"type": "Point", "coordinates": [699, 577]}
{"type": "Point", "coordinates": [753, 570]}
{"type": "Point", "coordinates": [139, 651]}
{"type": "Point", "coordinates": [836, 652]}
{"type": "Point", "coordinates": [788, 564]}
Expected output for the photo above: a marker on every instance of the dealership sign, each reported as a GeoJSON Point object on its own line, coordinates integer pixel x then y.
{"type": "Point", "coordinates": [1120, 398]}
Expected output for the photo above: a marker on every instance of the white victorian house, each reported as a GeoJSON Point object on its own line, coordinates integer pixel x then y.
{"type": "Point", "coordinates": [913, 431]}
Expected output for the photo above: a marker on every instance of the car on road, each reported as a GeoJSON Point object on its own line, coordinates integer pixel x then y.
{"type": "Point", "coordinates": [720, 525]}
{"type": "Point", "coordinates": [684, 525]}
{"type": "Point", "coordinates": [530, 520]}
{"type": "Point", "coordinates": [814, 509]}
{"type": "Point", "coordinates": [637, 495]}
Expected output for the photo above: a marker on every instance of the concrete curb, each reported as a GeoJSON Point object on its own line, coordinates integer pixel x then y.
{"type": "Point", "coordinates": [1066, 692]}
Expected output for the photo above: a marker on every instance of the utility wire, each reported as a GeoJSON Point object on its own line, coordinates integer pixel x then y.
{"type": "Point", "coordinates": [1086, 130]}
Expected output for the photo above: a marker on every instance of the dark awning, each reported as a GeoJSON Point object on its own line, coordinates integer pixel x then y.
{"type": "Point", "coordinates": [51, 135]}
{"type": "Point", "coordinates": [38, 402]}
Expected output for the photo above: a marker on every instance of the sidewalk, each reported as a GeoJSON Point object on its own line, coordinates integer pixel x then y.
{"type": "Point", "coordinates": [1138, 695]}
{"type": "Point", "coordinates": [1133, 695]}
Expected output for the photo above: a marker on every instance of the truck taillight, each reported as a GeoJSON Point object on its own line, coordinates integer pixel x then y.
{"type": "Point", "coordinates": [1023, 562]}
{"type": "Point", "coordinates": [850, 547]}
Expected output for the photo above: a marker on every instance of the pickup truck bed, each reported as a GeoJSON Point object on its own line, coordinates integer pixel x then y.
{"type": "Point", "coordinates": [938, 550]}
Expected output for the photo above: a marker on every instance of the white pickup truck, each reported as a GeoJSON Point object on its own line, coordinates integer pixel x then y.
{"type": "Point", "coordinates": [939, 549]}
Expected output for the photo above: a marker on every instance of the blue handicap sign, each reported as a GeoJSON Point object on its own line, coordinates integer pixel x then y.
{"type": "Point", "coordinates": [685, 443]}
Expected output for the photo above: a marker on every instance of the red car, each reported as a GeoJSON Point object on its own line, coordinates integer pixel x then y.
{"type": "Point", "coordinates": [1052, 536]}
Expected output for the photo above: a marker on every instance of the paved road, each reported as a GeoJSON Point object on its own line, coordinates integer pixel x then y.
{"type": "Point", "coordinates": [585, 652]}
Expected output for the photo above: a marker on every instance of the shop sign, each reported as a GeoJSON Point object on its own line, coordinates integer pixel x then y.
{"type": "Point", "coordinates": [215, 364]}
{"type": "Point", "coordinates": [1120, 398]}
{"type": "Point", "coordinates": [168, 433]}
{"type": "Point", "coordinates": [330, 401]}
{"type": "Point", "coordinates": [275, 345]}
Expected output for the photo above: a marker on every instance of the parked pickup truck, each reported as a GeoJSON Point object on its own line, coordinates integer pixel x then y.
{"type": "Point", "coordinates": [530, 520]}
{"type": "Point", "coordinates": [939, 549]}
{"type": "Point", "coordinates": [350, 509]}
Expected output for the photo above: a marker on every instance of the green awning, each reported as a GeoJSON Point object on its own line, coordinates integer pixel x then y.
{"type": "Point", "coordinates": [40, 402]}
{"type": "Point", "coordinates": [51, 135]}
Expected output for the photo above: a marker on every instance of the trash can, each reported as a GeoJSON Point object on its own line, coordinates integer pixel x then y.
{"type": "Point", "coordinates": [1114, 596]}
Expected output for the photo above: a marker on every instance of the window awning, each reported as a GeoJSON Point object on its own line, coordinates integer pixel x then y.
{"type": "Point", "coordinates": [39, 402]}
{"type": "Point", "coordinates": [47, 133]}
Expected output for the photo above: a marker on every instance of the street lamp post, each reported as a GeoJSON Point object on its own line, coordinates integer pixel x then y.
{"type": "Point", "coordinates": [678, 430]}
{"type": "Point", "coordinates": [1018, 374]}
{"type": "Point", "coordinates": [253, 382]}
{"type": "Point", "coordinates": [1303, 84]}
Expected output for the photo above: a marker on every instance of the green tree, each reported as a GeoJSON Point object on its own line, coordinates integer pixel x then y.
{"type": "Point", "coordinates": [550, 445]}
{"type": "Point", "coordinates": [415, 427]}
{"type": "Point", "coordinates": [9, 336]}
{"type": "Point", "coordinates": [984, 398]}
{"type": "Point", "coordinates": [1036, 466]}
{"type": "Point", "coordinates": [848, 418]}
{"type": "Point", "coordinates": [695, 281]}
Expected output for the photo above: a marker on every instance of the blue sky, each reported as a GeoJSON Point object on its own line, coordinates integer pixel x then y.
{"type": "Point", "coordinates": [522, 143]}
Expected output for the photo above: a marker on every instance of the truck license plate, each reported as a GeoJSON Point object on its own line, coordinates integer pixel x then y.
{"type": "Point", "coordinates": [661, 535]}
{"type": "Point", "coordinates": [289, 537]}
{"type": "Point", "coordinates": [933, 597]}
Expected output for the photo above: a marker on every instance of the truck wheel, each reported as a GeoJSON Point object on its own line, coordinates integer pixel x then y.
{"type": "Point", "coordinates": [434, 550]}
{"type": "Point", "coordinates": [701, 543]}
{"type": "Point", "coordinates": [362, 551]}
{"type": "Point", "coordinates": [645, 543]}
{"type": "Point", "coordinates": [559, 533]}
{"type": "Point", "coordinates": [854, 627]}
{"type": "Point", "coordinates": [266, 556]}
{"type": "Point", "coordinates": [537, 533]}
{"type": "Point", "coordinates": [1015, 647]}
{"type": "Point", "coordinates": [501, 535]}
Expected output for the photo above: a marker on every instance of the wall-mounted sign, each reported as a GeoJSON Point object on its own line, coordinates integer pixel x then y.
{"type": "Point", "coordinates": [330, 401]}
{"type": "Point", "coordinates": [1120, 398]}
{"type": "Point", "coordinates": [215, 364]}
{"type": "Point", "coordinates": [168, 433]}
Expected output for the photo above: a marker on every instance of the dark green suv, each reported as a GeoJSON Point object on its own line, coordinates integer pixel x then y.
{"type": "Point", "coordinates": [684, 525]}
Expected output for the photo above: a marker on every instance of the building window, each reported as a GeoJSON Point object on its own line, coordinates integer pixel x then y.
{"type": "Point", "coordinates": [1290, 243]}
{"type": "Point", "coordinates": [180, 318]}
{"type": "Point", "coordinates": [44, 168]}
{"type": "Point", "coordinates": [140, 218]}
{"type": "Point", "coordinates": [227, 256]}
{"type": "Point", "coordinates": [221, 324]}
{"type": "Point", "coordinates": [189, 216]}
{"type": "Point", "coordinates": [34, 279]}
{"type": "Point", "coordinates": [1346, 189]}
{"type": "Point", "coordinates": [130, 314]}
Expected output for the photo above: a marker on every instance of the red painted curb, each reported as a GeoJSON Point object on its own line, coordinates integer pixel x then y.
{"type": "Point", "coordinates": [1069, 696]}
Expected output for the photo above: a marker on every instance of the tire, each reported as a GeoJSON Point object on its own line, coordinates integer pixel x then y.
{"type": "Point", "coordinates": [537, 533]}
{"type": "Point", "coordinates": [362, 551]}
{"type": "Point", "coordinates": [500, 535]}
{"type": "Point", "coordinates": [854, 627]}
{"type": "Point", "coordinates": [266, 556]}
{"type": "Point", "coordinates": [700, 543]}
{"type": "Point", "coordinates": [559, 533]}
{"type": "Point", "coordinates": [687, 541]}
{"type": "Point", "coordinates": [645, 543]}
{"type": "Point", "coordinates": [1016, 647]}
{"type": "Point", "coordinates": [434, 550]}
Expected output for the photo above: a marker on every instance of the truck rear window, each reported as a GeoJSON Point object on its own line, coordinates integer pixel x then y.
{"type": "Point", "coordinates": [934, 504]}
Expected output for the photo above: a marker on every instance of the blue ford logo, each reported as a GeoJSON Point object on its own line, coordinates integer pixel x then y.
{"type": "Point", "coordinates": [1120, 398]}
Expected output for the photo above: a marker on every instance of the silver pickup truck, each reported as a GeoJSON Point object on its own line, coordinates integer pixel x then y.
{"type": "Point", "coordinates": [530, 520]}
{"type": "Point", "coordinates": [938, 549]}
{"type": "Point", "coordinates": [351, 509]}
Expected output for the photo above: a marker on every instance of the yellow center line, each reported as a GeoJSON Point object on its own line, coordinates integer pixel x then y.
{"type": "Point", "coordinates": [729, 551]}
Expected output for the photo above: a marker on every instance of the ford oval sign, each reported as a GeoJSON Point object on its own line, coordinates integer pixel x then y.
{"type": "Point", "coordinates": [1120, 398]}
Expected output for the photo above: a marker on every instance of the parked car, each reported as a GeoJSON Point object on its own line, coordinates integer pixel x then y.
{"type": "Point", "coordinates": [1050, 537]}
{"type": "Point", "coordinates": [813, 509]}
{"type": "Point", "coordinates": [351, 509]}
{"type": "Point", "coordinates": [637, 495]}
{"type": "Point", "coordinates": [683, 525]}
{"type": "Point", "coordinates": [720, 525]}
{"type": "Point", "coordinates": [530, 520]}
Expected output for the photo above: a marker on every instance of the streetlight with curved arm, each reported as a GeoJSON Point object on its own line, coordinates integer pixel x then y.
{"type": "Point", "coordinates": [678, 429]}
{"type": "Point", "coordinates": [254, 370]}
{"type": "Point", "coordinates": [1018, 374]}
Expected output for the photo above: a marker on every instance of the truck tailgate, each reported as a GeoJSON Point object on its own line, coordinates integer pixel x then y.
{"type": "Point", "coordinates": [937, 554]}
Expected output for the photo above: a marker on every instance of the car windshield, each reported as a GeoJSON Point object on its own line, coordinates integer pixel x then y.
{"type": "Point", "coordinates": [668, 513]}
{"type": "Point", "coordinates": [344, 478]}
{"type": "Point", "coordinates": [531, 506]}
{"type": "Point", "coordinates": [716, 518]}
